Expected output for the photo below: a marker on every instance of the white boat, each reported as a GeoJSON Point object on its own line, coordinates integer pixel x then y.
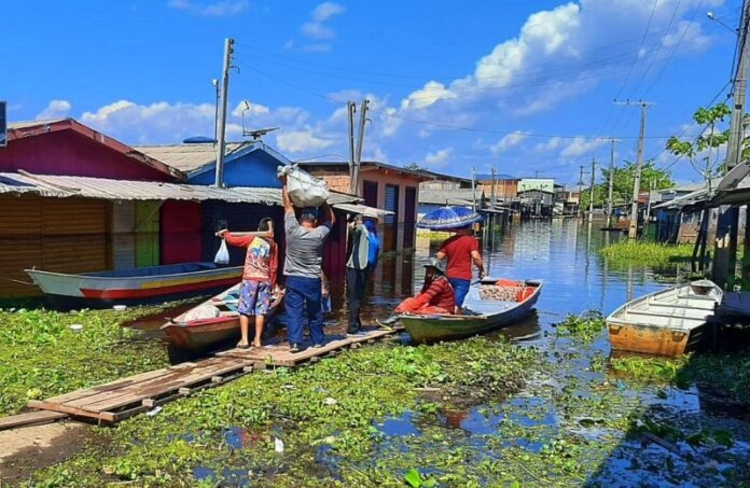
{"type": "Point", "coordinates": [154, 284]}
{"type": "Point", "coordinates": [668, 322]}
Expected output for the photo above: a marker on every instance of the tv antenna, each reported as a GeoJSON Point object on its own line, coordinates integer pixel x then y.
{"type": "Point", "coordinates": [256, 134]}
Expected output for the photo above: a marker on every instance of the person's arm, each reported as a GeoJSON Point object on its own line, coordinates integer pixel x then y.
{"type": "Point", "coordinates": [285, 196]}
{"type": "Point", "coordinates": [432, 294]}
{"type": "Point", "coordinates": [329, 218]}
{"type": "Point", "coordinates": [477, 258]}
{"type": "Point", "coordinates": [236, 241]}
{"type": "Point", "coordinates": [273, 266]}
{"type": "Point", "coordinates": [440, 255]}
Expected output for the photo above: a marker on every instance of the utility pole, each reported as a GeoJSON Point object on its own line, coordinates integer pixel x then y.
{"type": "Point", "coordinates": [580, 191]}
{"type": "Point", "coordinates": [474, 188]}
{"type": "Point", "coordinates": [351, 107]}
{"type": "Point", "coordinates": [633, 226]}
{"type": "Point", "coordinates": [358, 161]}
{"type": "Point", "coordinates": [611, 179]}
{"type": "Point", "coordinates": [725, 246]}
{"type": "Point", "coordinates": [591, 193]}
{"type": "Point", "coordinates": [222, 122]}
{"type": "Point", "coordinates": [494, 201]}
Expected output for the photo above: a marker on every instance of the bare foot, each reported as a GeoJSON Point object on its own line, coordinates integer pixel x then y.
{"type": "Point", "coordinates": [257, 344]}
{"type": "Point", "coordinates": [243, 345]}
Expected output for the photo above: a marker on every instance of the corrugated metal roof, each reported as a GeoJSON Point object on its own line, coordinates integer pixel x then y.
{"type": "Point", "coordinates": [70, 186]}
{"type": "Point", "coordinates": [189, 157]}
{"type": "Point", "coordinates": [449, 197]}
{"type": "Point", "coordinates": [33, 123]}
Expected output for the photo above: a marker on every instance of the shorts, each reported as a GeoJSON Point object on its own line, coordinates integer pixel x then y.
{"type": "Point", "coordinates": [460, 289]}
{"type": "Point", "coordinates": [255, 298]}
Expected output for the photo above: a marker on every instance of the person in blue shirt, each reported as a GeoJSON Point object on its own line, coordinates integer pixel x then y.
{"type": "Point", "coordinates": [362, 255]}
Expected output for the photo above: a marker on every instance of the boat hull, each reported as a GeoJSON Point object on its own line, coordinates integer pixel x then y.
{"type": "Point", "coordinates": [428, 329]}
{"type": "Point", "coordinates": [669, 322]}
{"type": "Point", "coordinates": [135, 287]}
{"type": "Point", "coordinates": [188, 334]}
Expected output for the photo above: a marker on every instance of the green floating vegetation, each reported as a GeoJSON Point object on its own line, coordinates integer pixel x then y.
{"type": "Point", "coordinates": [645, 253]}
{"type": "Point", "coordinates": [586, 326]}
{"type": "Point", "coordinates": [651, 369]}
{"type": "Point", "coordinates": [274, 427]}
{"type": "Point", "coordinates": [41, 355]}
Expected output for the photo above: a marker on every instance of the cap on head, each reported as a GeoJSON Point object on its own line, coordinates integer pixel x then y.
{"type": "Point", "coordinates": [309, 213]}
{"type": "Point", "coordinates": [436, 265]}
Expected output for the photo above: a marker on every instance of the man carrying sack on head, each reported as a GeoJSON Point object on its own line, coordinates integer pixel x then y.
{"type": "Point", "coordinates": [302, 269]}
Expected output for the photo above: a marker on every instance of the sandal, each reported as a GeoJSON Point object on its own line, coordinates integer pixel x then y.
{"type": "Point", "coordinates": [243, 346]}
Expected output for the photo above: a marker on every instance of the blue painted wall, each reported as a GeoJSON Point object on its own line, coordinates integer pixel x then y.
{"type": "Point", "coordinates": [256, 169]}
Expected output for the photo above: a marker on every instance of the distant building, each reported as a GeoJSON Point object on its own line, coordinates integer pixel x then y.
{"type": "Point", "coordinates": [383, 186]}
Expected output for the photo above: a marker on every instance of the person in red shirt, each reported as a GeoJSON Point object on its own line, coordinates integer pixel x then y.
{"type": "Point", "coordinates": [461, 250]}
{"type": "Point", "coordinates": [436, 296]}
{"type": "Point", "coordinates": [258, 278]}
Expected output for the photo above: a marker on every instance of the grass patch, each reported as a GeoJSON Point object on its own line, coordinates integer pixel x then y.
{"type": "Point", "coordinates": [40, 356]}
{"type": "Point", "coordinates": [645, 253]}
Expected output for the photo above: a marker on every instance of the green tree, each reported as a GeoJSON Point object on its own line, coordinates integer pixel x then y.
{"type": "Point", "coordinates": [622, 184]}
{"type": "Point", "coordinates": [703, 152]}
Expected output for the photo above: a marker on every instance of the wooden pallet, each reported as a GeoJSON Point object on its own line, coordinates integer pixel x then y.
{"type": "Point", "coordinates": [115, 401]}
{"type": "Point", "coordinates": [277, 352]}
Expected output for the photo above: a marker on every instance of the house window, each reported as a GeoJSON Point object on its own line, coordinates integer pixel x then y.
{"type": "Point", "coordinates": [391, 221]}
{"type": "Point", "coordinates": [410, 208]}
{"type": "Point", "coordinates": [370, 193]}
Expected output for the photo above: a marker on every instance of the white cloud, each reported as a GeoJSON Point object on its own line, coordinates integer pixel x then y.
{"type": "Point", "coordinates": [438, 159]}
{"type": "Point", "coordinates": [159, 122]}
{"type": "Point", "coordinates": [215, 9]}
{"type": "Point", "coordinates": [580, 146]}
{"type": "Point", "coordinates": [552, 144]}
{"type": "Point", "coordinates": [55, 109]}
{"type": "Point", "coordinates": [301, 141]}
{"type": "Point", "coordinates": [317, 28]}
{"type": "Point", "coordinates": [508, 141]}
{"type": "Point", "coordinates": [556, 55]}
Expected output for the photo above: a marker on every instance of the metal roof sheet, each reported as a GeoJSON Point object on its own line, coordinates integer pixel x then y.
{"type": "Point", "coordinates": [107, 189]}
{"type": "Point", "coordinates": [189, 157]}
{"type": "Point", "coordinates": [450, 196]}
{"type": "Point", "coordinates": [33, 123]}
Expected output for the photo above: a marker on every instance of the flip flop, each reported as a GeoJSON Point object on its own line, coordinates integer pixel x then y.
{"type": "Point", "coordinates": [243, 346]}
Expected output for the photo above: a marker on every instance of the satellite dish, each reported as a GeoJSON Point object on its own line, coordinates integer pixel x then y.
{"type": "Point", "coordinates": [258, 133]}
{"type": "Point", "coordinates": [733, 178]}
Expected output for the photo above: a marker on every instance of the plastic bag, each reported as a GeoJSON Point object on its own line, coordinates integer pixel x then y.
{"type": "Point", "coordinates": [305, 190]}
{"type": "Point", "coordinates": [222, 255]}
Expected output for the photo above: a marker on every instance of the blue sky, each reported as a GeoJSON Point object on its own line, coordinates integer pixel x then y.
{"type": "Point", "coordinates": [526, 86]}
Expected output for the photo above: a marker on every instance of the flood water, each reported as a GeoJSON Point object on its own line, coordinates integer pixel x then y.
{"type": "Point", "coordinates": [564, 254]}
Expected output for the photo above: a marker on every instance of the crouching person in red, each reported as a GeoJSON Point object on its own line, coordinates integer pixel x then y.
{"type": "Point", "coordinates": [436, 297]}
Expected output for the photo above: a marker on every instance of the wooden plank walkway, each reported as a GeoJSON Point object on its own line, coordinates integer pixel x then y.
{"type": "Point", "coordinates": [276, 353]}
{"type": "Point", "coordinates": [30, 418]}
{"type": "Point", "coordinates": [115, 401]}
{"type": "Point", "coordinates": [118, 400]}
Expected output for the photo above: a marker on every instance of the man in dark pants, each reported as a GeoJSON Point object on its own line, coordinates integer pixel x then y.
{"type": "Point", "coordinates": [357, 271]}
{"type": "Point", "coordinates": [304, 255]}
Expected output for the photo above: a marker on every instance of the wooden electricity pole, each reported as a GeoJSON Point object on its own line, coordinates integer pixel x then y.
{"type": "Point", "coordinates": [591, 190]}
{"type": "Point", "coordinates": [633, 226]}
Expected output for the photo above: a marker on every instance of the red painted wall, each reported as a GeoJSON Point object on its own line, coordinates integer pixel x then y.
{"type": "Point", "coordinates": [181, 229]}
{"type": "Point", "coordinates": [69, 153]}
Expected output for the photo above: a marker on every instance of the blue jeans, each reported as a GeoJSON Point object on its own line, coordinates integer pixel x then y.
{"type": "Point", "coordinates": [460, 289]}
{"type": "Point", "coordinates": [301, 293]}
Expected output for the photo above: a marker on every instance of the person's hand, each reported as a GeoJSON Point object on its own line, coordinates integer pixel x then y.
{"type": "Point", "coordinates": [481, 274]}
{"type": "Point", "coordinates": [221, 233]}
{"type": "Point", "coordinates": [282, 178]}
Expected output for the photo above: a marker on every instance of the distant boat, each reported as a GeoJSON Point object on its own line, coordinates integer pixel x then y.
{"type": "Point", "coordinates": [153, 284]}
{"type": "Point", "coordinates": [211, 323]}
{"type": "Point", "coordinates": [668, 322]}
{"type": "Point", "coordinates": [490, 305]}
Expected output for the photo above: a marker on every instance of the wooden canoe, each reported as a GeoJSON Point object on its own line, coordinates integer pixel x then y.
{"type": "Point", "coordinates": [153, 284]}
{"type": "Point", "coordinates": [483, 311]}
{"type": "Point", "coordinates": [668, 322]}
{"type": "Point", "coordinates": [209, 324]}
